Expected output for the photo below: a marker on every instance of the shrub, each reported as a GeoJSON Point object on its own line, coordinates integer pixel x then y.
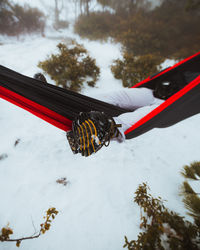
{"type": "Point", "coordinates": [71, 67]}
{"type": "Point", "coordinates": [98, 25]}
{"type": "Point", "coordinates": [6, 17]}
{"type": "Point", "coordinates": [191, 198]}
{"type": "Point", "coordinates": [133, 69]}
{"type": "Point", "coordinates": [29, 19]}
{"type": "Point", "coordinates": [20, 19]}
{"type": "Point", "coordinates": [162, 228]}
{"type": "Point", "coordinates": [168, 30]}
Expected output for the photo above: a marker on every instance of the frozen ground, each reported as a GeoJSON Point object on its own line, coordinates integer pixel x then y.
{"type": "Point", "coordinates": [96, 207]}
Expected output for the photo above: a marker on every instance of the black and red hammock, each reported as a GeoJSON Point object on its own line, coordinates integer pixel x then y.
{"type": "Point", "coordinates": [60, 106]}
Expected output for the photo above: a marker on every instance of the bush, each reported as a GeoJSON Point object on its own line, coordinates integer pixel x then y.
{"type": "Point", "coordinates": [29, 19]}
{"type": "Point", "coordinates": [71, 67]}
{"type": "Point", "coordinates": [132, 70]}
{"type": "Point", "coordinates": [98, 25]}
{"type": "Point", "coordinates": [191, 198]}
{"type": "Point", "coordinates": [162, 228]}
{"type": "Point", "coordinates": [6, 17]}
{"type": "Point", "coordinates": [20, 19]}
{"type": "Point", "coordinates": [168, 30]}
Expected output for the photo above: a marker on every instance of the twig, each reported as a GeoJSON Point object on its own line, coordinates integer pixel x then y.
{"type": "Point", "coordinates": [25, 238]}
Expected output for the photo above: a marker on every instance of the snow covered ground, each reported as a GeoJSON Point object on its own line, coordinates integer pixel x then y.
{"type": "Point", "coordinates": [96, 207]}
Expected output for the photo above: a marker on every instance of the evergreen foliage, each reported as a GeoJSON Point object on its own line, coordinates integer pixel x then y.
{"type": "Point", "coordinates": [162, 228]}
{"type": "Point", "coordinates": [191, 198]}
{"type": "Point", "coordinates": [192, 171]}
{"type": "Point", "coordinates": [71, 67]}
{"type": "Point", "coordinates": [133, 69]}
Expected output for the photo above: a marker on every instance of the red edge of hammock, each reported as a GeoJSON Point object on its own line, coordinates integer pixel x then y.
{"type": "Point", "coordinates": [165, 104]}
{"type": "Point", "coordinates": [65, 124]}
{"type": "Point", "coordinates": [36, 109]}
{"type": "Point", "coordinates": [168, 101]}
{"type": "Point", "coordinates": [166, 70]}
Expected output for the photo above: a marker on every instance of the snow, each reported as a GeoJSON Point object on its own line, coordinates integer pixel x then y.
{"type": "Point", "coordinates": [96, 207]}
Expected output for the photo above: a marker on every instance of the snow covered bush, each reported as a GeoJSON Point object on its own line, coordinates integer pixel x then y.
{"type": "Point", "coordinates": [132, 69]}
{"type": "Point", "coordinates": [161, 228]}
{"type": "Point", "coordinates": [71, 67]}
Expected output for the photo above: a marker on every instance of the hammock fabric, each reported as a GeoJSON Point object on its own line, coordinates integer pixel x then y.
{"type": "Point", "coordinates": [60, 106]}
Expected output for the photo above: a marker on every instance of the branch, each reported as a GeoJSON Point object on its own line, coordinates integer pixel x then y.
{"type": "Point", "coordinates": [6, 231]}
{"type": "Point", "coordinates": [19, 240]}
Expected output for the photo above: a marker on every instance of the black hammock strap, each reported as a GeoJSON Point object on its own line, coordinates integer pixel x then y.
{"type": "Point", "coordinates": [27, 91]}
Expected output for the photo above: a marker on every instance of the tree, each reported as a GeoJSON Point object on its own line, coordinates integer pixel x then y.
{"type": "Point", "coordinates": [84, 6]}
{"type": "Point", "coordinates": [59, 6]}
{"type": "Point", "coordinates": [127, 5]}
{"type": "Point", "coordinates": [57, 10]}
{"type": "Point", "coordinates": [104, 3]}
{"type": "Point", "coordinates": [75, 7]}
